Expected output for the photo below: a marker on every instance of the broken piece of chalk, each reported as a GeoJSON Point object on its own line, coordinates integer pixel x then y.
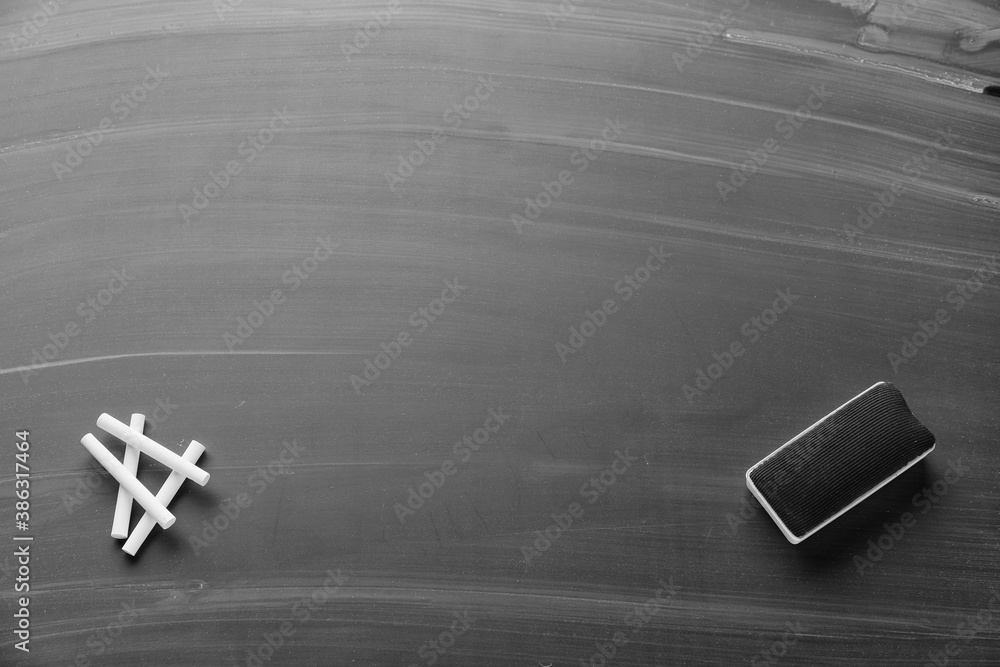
{"type": "Point", "coordinates": [128, 480]}
{"type": "Point", "coordinates": [123, 510]}
{"type": "Point", "coordinates": [164, 495]}
{"type": "Point", "coordinates": [153, 449]}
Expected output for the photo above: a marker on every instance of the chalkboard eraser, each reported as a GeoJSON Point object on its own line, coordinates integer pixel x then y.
{"type": "Point", "coordinates": [839, 461]}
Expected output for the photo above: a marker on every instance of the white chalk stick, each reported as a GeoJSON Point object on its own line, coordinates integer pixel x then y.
{"type": "Point", "coordinates": [123, 510]}
{"type": "Point", "coordinates": [152, 449]}
{"type": "Point", "coordinates": [128, 480]}
{"type": "Point", "coordinates": [165, 495]}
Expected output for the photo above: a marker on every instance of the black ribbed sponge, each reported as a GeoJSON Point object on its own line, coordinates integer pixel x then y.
{"type": "Point", "coordinates": [839, 461]}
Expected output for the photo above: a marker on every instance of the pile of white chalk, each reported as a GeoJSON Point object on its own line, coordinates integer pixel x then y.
{"type": "Point", "coordinates": [125, 473]}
